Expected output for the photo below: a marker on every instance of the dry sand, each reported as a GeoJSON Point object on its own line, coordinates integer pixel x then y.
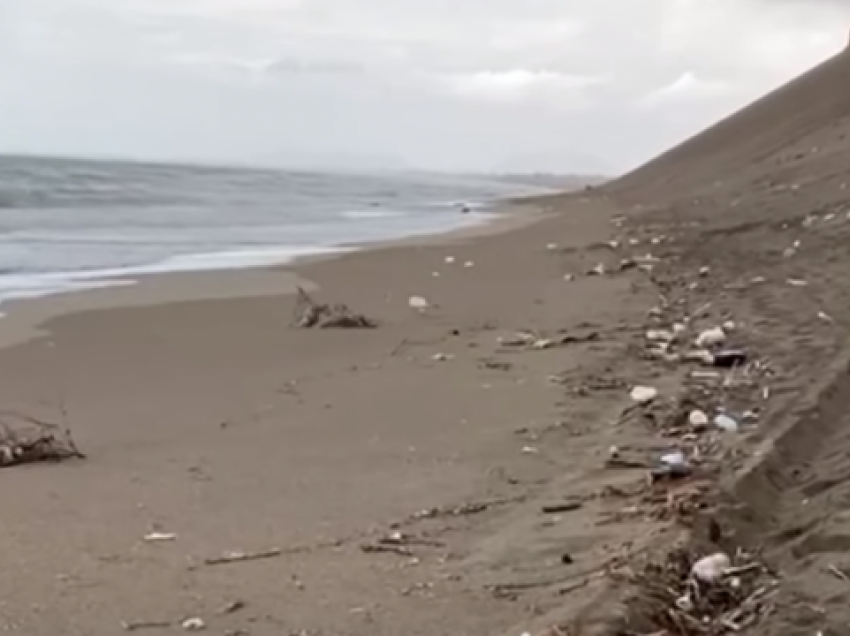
{"type": "Point", "coordinates": [204, 415]}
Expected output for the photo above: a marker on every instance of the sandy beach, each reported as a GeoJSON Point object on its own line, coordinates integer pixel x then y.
{"type": "Point", "coordinates": [214, 420]}
{"type": "Point", "coordinates": [478, 467]}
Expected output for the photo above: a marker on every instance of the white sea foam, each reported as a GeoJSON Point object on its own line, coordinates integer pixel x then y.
{"type": "Point", "coordinates": [38, 285]}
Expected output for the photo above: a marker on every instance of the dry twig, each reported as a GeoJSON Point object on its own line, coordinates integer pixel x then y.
{"type": "Point", "coordinates": [309, 314]}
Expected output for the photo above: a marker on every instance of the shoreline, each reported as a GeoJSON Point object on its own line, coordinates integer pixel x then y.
{"type": "Point", "coordinates": [22, 319]}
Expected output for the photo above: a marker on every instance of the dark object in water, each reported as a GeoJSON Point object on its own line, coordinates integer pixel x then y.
{"type": "Point", "coordinates": [729, 358]}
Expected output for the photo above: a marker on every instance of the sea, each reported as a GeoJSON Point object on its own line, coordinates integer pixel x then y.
{"type": "Point", "coordinates": [68, 225]}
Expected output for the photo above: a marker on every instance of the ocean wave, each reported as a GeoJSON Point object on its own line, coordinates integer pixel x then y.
{"type": "Point", "coordinates": [20, 286]}
{"type": "Point", "coordinates": [371, 213]}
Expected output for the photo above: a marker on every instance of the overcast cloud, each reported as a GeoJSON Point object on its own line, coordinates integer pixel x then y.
{"type": "Point", "coordinates": [575, 85]}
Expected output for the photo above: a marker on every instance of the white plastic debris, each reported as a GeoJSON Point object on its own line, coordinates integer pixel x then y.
{"type": "Point", "coordinates": [729, 326]}
{"type": "Point", "coordinates": [614, 452]}
{"type": "Point", "coordinates": [158, 537]}
{"type": "Point", "coordinates": [469, 264]}
{"type": "Point", "coordinates": [613, 244]}
{"type": "Point", "coordinates": [697, 418]}
{"type": "Point", "coordinates": [543, 343]}
{"type": "Point", "coordinates": [552, 247]}
{"type": "Point", "coordinates": [685, 603]}
{"type": "Point", "coordinates": [711, 337]}
{"type": "Point", "coordinates": [530, 450]}
{"type": "Point", "coordinates": [442, 357]}
{"type": "Point", "coordinates": [569, 278]}
{"type": "Point", "coordinates": [435, 274]}
{"type": "Point", "coordinates": [825, 317]}
{"type": "Point", "coordinates": [417, 302]}
{"type": "Point", "coordinates": [797, 282]}
{"type": "Point", "coordinates": [699, 355]}
{"type": "Point", "coordinates": [599, 270]}
{"type": "Point", "coordinates": [674, 459]}
{"type": "Point", "coordinates": [703, 271]}
{"type": "Point", "coordinates": [711, 569]}
{"type": "Point", "coordinates": [193, 625]}
{"type": "Point", "coordinates": [450, 259]}
{"type": "Point", "coordinates": [644, 394]}
{"type": "Point", "coordinates": [679, 328]}
{"type": "Point", "coordinates": [726, 423]}
{"type": "Point", "coordinates": [660, 335]}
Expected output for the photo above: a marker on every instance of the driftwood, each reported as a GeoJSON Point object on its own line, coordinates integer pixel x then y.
{"type": "Point", "coordinates": [309, 314]}
{"type": "Point", "coordinates": [25, 439]}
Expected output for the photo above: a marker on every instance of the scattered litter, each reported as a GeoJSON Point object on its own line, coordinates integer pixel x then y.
{"type": "Point", "coordinates": [729, 358]}
{"type": "Point", "coordinates": [472, 508]}
{"type": "Point", "coordinates": [387, 548]}
{"type": "Point", "coordinates": [530, 450]}
{"type": "Point", "coordinates": [796, 282]}
{"type": "Point", "coordinates": [552, 247]}
{"type": "Point", "coordinates": [543, 343]}
{"type": "Point", "coordinates": [569, 278]}
{"type": "Point", "coordinates": [698, 419]}
{"type": "Point", "coordinates": [712, 568]}
{"type": "Point", "coordinates": [674, 458]}
{"type": "Point", "coordinates": [564, 507]}
{"type": "Point", "coordinates": [158, 537]}
{"type": "Point", "coordinates": [711, 337]}
{"type": "Point", "coordinates": [442, 357]}
{"type": "Point", "coordinates": [729, 326]}
{"type": "Point", "coordinates": [704, 271]}
{"type": "Point", "coordinates": [469, 264]}
{"type": "Point", "coordinates": [644, 394]}
{"type": "Point", "coordinates": [418, 303]}
{"type": "Point", "coordinates": [530, 340]}
{"type": "Point", "coordinates": [239, 557]}
{"type": "Point", "coordinates": [825, 317]}
{"type": "Point", "coordinates": [726, 423]}
{"type": "Point", "coordinates": [193, 625]}
{"type": "Point", "coordinates": [450, 260]}
{"type": "Point", "coordinates": [232, 607]}
{"type": "Point", "coordinates": [704, 375]}
{"type": "Point", "coordinates": [138, 626]}
{"type": "Point", "coordinates": [598, 270]}
{"type": "Point", "coordinates": [660, 335]}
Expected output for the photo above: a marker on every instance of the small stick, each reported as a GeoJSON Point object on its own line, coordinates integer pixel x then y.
{"type": "Point", "coordinates": [398, 347]}
{"type": "Point", "coordinates": [565, 507]}
{"type": "Point", "coordinates": [239, 557]}
{"type": "Point", "coordinates": [744, 569]}
{"type": "Point", "coordinates": [839, 574]}
{"type": "Point", "coordinates": [136, 626]}
{"type": "Point", "coordinates": [392, 549]}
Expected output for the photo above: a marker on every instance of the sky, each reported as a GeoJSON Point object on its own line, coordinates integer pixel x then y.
{"type": "Point", "coordinates": [575, 86]}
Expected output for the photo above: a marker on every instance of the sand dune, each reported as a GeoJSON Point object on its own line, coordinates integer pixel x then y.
{"type": "Point", "coordinates": [777, 129]}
